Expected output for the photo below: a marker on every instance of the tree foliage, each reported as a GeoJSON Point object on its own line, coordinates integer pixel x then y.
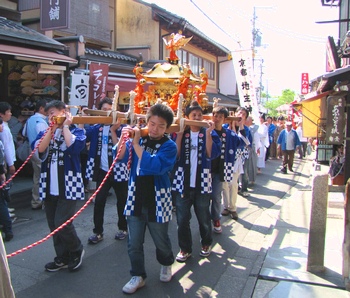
{"type": "Point", "coordinates": [271, 105]}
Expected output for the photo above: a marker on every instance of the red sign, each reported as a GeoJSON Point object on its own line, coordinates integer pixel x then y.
{"type": "Point", "coordinates": [98, 83]}
{"type": "Point", "coordinates": [304, 83]}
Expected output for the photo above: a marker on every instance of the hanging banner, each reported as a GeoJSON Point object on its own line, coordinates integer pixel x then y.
{"type": "Point", "coordinates": [79, 90]}
{"type": "Point", "coordinates": [98, 83]}
{"type": "Point", "coordinates": [243, 65]}
{"type": "Point", "coordinates": [335, 120]}
{"type": "Point", "coordinates": [304, 83]}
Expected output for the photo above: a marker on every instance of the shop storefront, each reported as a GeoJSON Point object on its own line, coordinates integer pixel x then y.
{"type": "Point", "coordinates": [29, 75]}
{"type": "Point", "coordinates": [32, 66]}
{"type": "Point", "coordinates": [324, 114]}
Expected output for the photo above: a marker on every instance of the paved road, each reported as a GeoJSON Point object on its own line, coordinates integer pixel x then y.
{"type": "Point", "coordinates": [230, 271]}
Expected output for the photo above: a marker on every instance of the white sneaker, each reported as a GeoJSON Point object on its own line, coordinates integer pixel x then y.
{"type": "Point", "coordinates": [12, 215]}
{"type": "Point", "coordinates": [217, 226]}
{"type": "Point", "coordinates": [165, 273]}
{"type": "Point", "coordinates": [245, 194]}
{"type": "Point", "coordinates": [182, 256]}
{"type": "Point", "coordinates": [11, 210]}
{"type": "Point", "coordinates": [135, 283]}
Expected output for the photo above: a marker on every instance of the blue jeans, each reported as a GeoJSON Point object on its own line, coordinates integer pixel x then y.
{"type": "Point", "coordinates": [159, 232]}
{"type": "Point", "coordinates": [201, 203]}
{"type": "Point", "coordinates": [5, 219]}
{"type": "Point", "coordinates": [216, 196]}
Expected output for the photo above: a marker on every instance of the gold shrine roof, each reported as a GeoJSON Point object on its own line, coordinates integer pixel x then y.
{"type": "Point", "coordinates": [167, 72]}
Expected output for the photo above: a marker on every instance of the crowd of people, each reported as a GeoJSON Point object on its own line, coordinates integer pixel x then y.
{"type": "Point", "coordinates": [155, 176]}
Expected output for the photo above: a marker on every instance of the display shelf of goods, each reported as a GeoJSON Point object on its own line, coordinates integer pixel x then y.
{"type": "Point", "coordinates": [28, 90]}
{"type": "Point", "coordinates": [28, 76]}
{"type": "Point", "coordinates": [23, 79]}
{"type": "Point", "coordinates": [37, 84]}
{"type": "Point", "coordinates": [27, 84]}
{"type": "Point", "coordinates": [14, 76]}
{"type": "Point", "coordinates": [29, 68]}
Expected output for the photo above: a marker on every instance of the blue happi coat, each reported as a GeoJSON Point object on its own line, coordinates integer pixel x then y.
{"type": "Point", "coordinates": [93, 133]}
{"type": "Point", "coordinates": [242, 153]}
{"type": "Point", "coordinates": [206, 178]}
{"type": "Point", "coordinates": [69, 157]}
{"type": "Point", "coordinates": [234, 142]}
{"type": "Point", "coordinates": [159, 165]}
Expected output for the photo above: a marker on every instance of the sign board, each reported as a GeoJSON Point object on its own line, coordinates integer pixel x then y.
{"type": "Point", "coordinates": [304, 83]}
{"type": "Point", "coordinates": [243, 66]}
{"type": "Point", "coordinates": [98, 83]}
{"type": "Point", "coordinates": [335, 120]}
{"type": "Point", "coordinates": [79, 91]}
{"type": "Point", "coordinates": [54, 14]}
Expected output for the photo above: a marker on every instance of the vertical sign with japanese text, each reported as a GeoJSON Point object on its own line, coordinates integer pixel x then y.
{"type": "Point", "coordinates": [54, 14]}
{"type": "Point", "coordinates": [242, 60]}
{"type": "Point", "coordinates": [335, 120]}
{"type": "Point", "coordinates": [98, 83]}
{"type": "Point", "coordinates": [79, 91]}
{"type": "Point", "coordinates": [304, 83]}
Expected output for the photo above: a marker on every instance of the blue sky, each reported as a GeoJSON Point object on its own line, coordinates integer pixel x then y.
{"type": "Point", "coordinates": [294, 43]}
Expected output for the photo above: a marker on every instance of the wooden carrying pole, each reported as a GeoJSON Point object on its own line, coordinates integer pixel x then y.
{"type": "Point", "coordinates": [106, 117]}
{"type": "Point", "coordinates": [109, 117]}
{"type": "Point", "coordinates": [108, 120]}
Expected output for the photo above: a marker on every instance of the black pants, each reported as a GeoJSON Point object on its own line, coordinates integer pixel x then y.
{"type": "Point", "coordinates": [288, 159]}
{"type": "Point", "coordinates": [121, 192]}
{"type": "Point", "coordinates": [58, 211]}
{"type": "Point", "coordinates": [5, 219]}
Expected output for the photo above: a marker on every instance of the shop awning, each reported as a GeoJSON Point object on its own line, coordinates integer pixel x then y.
{"type": "Point", "coordinates": [39, 56]}
{"type": "Point", "coordinates": [125, 84]}
{"type": "Point", "coordinates": [313, 96]}
{"type": "Point", "coordinates": [329, 79]}
{"type": "Point", "coordinates": [311, 110]}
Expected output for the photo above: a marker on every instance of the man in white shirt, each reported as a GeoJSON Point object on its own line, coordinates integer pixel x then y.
{"type": "Point", "coordinates": [34, 125]}
{"type": "Point", "coordinates": [6, 137]}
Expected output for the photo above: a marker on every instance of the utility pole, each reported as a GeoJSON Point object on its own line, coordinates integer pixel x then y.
{"type": "Point", "coordinates": [261, 76]}
{"type": "Point", "coordinates": [256, 42]}
{"type": "Point", "coordinates": [267, 90]}
{"type": "Point", "coordinates": [254, 33]}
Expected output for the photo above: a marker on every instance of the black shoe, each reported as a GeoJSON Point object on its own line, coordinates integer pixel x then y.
{"type": "Point", "coordinates": [37, 207]}
{"type": "Point", "coordinates": [8, 237]}
{"type": "Point", "coordinates": [56, 265]}
{"type": "Point", "coordinates": [75, 260]}
{"type": "Point", "coordinates": [284, 170]}
{"type": "Point", "coordinates": [234, 215]}
{"type": "Point", "coordinates": [291, 170]}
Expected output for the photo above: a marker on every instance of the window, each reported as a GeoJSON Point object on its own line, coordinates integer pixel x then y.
{"type": "Point", "coordinates": [194, 63]}
{"type": "Point", "coordinates": [209, 68]}
{"type": "Point", "coordinates": [197, 63]}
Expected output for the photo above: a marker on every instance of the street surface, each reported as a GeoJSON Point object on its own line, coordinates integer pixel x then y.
{"type": "Point", "coordinates": [230, 271]}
